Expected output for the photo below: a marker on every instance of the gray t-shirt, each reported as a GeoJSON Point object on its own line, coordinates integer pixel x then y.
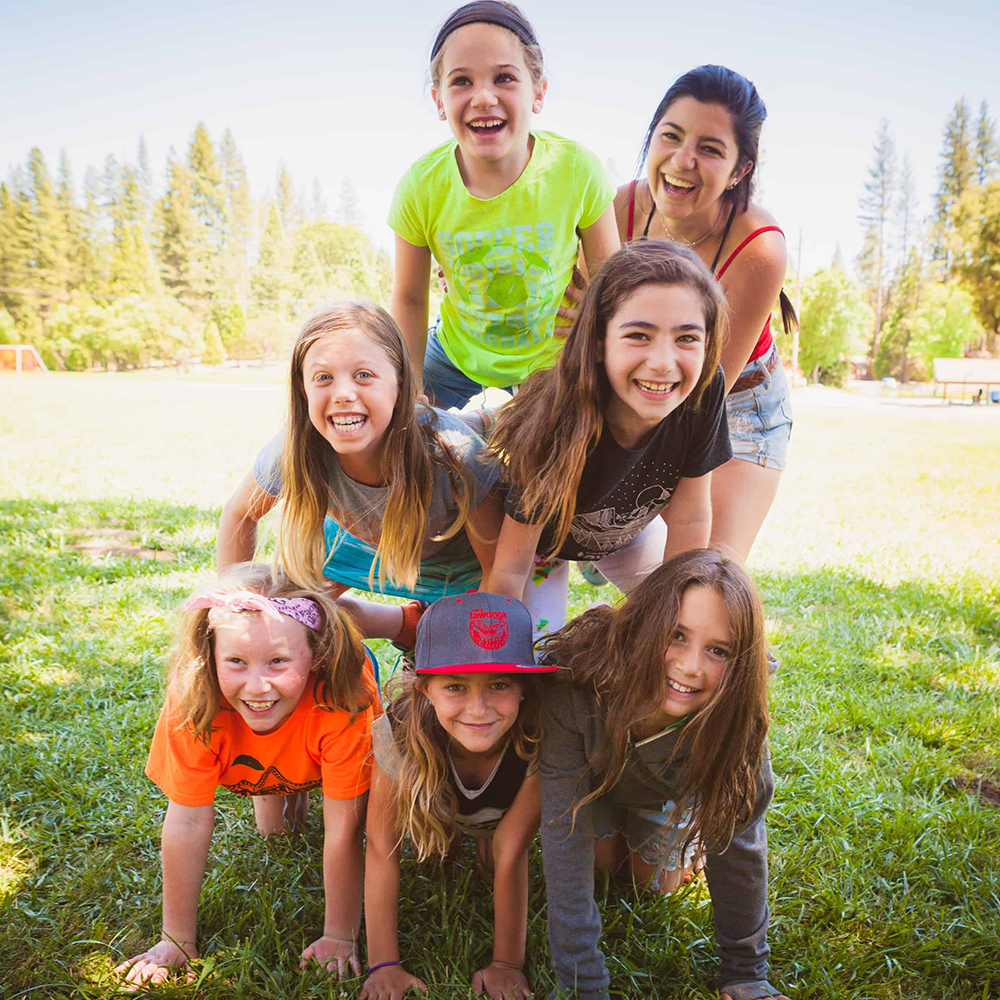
{"type": "Point", "coordinates": [363, 506]}
{"type": "Point", "coordinates": [737, 878]}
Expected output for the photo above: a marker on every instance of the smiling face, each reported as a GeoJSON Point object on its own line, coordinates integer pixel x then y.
{"type": "Point", "coordinates": [653, 354]}
{"type": "Point", "coordinates": [486, 92]}
{"type": "Point", "coordinates": [693, 158]}
{"type": "Point", "coordinates": [351, 388]}
{"type": "Point", "coordinates": [263, 665]}
{"type": "Point", "coordinates": [475, 710]}
{"type": "Point", "coordinates": [699, 652]}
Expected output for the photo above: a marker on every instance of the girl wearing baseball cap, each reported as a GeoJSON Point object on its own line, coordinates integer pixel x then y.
{"type": "Point", "coordinates": [455, 754]}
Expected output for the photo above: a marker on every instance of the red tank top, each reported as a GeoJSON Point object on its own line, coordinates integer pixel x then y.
{"type": "Point", "coordinates": [765, 340]}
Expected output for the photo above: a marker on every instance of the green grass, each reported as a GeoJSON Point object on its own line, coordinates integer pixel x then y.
{"type": "Point", "coordinates": [880, 568]}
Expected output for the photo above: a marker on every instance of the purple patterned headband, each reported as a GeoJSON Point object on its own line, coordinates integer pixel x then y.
{"type": "Point", "coordinates": [302, 609]}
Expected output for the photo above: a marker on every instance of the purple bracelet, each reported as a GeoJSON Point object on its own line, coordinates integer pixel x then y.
{"type": "Point", "coordinates": [382, 965]}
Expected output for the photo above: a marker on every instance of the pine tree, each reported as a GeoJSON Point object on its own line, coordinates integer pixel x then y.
{"type": "Point", "coordinates": [144, 176]}
{"type": "Point", "coordinates": [179, 236]}
{"type": "Point", "coordinates": [876, 214]}
{"type": "Point", "coordinates": [349, 208]}
{"type": "Point", "coordinates": [96, 238]}
{"type": "Point", "coordinates": [78, 253]}
{"type": "Point", "coordinates": [956, 172]}
{"type": "Point", "coordinates": [906, 210]}
{"type": "Point", "coordinates": [271, 280]}
{"type": "Point", "coordinates": [235, 272]}
{"type": "Point", "coordinates": [319, 209]}
{"type": "Point", "coordinates": [132, 270]}
{"type": "Point", "coordinates": [213, 353]}
{"type": "Point", "coordinates": [987, 147]}
{"type": "Point", "coordinates": [289, 210]}
{"type": "Point", "coordinates": [49, 266]}
{"type": "Point", "coordinates": [208, 206]}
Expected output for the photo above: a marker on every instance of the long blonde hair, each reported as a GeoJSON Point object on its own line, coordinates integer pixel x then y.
{"type": "Point", "coordinates": [338, 653]}
{"type": "Point", "coordinates": [413, 448]}
{"type": "Point", "coordinates": [618, 655]}
{"type": "Point", "coordinates": [545, 434]}
{"type": "Point", "coordinates": [426, 805]}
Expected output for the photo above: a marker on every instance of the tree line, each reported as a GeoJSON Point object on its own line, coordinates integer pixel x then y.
{"type": "Point", "coordinates": [116, 277]}
{"type": "Point", "coordinates": [924, 287]}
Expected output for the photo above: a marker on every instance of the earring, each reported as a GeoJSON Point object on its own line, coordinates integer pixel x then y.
{"type": "Point", "coordinates": [441, 115]}
{"type": "Point", "coordinates": [537, 107]}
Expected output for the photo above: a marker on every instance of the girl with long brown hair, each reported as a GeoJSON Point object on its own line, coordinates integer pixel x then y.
{"type": "Point", "coordinates": [607, 455]}
{"type": "Point", "coordinates": [380, 491]}
{"type": "Point", "coordinates": [655, 738]}
{"type": "Point", "coordinates": [455, 753]}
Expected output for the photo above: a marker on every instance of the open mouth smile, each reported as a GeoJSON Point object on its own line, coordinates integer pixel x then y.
{"type": "Point", "coordinates": [654, 390]}
{"type": "Point", "coordinates": [681, 689]}
{"type": "Point", "coordinates": [677, 186]}
{"type": "Point", "coordinates": [486, 126]}
{"type": "Point", "coordinates": [347, 423]}
{"type": "Point", "coordinates": [259, 707]}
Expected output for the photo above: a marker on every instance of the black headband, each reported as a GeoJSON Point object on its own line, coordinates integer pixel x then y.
{"type": "Point", "coordinates": [485, 12]}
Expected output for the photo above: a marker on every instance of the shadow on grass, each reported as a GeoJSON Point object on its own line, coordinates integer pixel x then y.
{"type": "Point", "coordinates": [885, 878]}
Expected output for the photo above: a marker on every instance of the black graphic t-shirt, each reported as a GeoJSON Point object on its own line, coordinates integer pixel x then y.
{"type": "Point", "coordinates": [622, 490]}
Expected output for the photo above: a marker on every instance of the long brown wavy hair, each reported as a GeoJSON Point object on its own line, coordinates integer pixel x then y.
{"type": "Point", "coordinates": [618, 654]}
{"type": "Point", "coordinates": [412, 449]}
{"type": "Point", "coordinates": [337, 651]}
{"type": "Point", "coordinates": [546, 432]}
{"type": "Point", "coordinates": [425, 799]}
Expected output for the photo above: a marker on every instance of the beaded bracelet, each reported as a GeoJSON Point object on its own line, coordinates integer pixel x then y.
{"type": "Point", "coordinates": [382, 965]}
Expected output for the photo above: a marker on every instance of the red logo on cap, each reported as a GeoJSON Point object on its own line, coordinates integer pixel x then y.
{"type": "Point", "coordinates": [488, 629]}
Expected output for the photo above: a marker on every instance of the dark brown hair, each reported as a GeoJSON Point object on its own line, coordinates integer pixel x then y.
{"type": "Point", "coordinates": [747, 111]}
{"type": "Point", "coordinates": [619, 655]}
{"type": "Point", "coordinates": [545, 433]}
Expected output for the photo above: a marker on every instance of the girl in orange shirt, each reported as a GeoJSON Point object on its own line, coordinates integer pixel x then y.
{"type": "Point", "coordinates": [270, 694]}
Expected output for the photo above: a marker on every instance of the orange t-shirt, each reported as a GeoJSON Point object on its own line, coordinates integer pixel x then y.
{"type": "Point", "coordinates": [313, 746]}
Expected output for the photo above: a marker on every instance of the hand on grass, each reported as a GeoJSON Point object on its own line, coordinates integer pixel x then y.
{"type": "Point", "coordinates": [390, 983]}
{"type": "Point", "coordinates": [574, 292]}
{"type": "Point", "coordinates": [154, 966]}
{"type": "Point", "coordinates": [501, 982]}
{"type": "Point", "coordinates": [769, 996]}
{"type": "Point", "coordinates": [334, 954]}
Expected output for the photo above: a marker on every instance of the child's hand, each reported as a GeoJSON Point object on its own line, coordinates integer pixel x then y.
{"type": "Point", "coordinates": [390, 983]}
{"type": "Point", "coordinates": [574, 292]}
{"type": "Point", "coordinates": [333, 954]}
{"type": "Point", "coordinates": [770, 996]}
{"type": "Point", "coordinates": [155, 965]}
{"type": "Point", "coordinates": [501, 982]}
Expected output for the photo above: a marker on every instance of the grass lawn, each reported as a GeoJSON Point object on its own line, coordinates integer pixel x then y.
{"type": "Point", "coordinates": [880, 569]}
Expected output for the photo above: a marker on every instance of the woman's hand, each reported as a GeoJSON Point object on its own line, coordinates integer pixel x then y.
{"type": "Point", "coordinates": [154, 966]}
{"type": "Point", "coordinates": [574, 292]}
{"type": "Point", "coordinates": [501, 982]}
{"type": "Point", "coordinates": [334, 954]}
{"type": "Point", "coordinates": [390, 983]}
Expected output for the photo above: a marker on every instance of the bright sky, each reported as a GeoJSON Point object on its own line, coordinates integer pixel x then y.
{"type": "Point", "coordinates": [337, 90]}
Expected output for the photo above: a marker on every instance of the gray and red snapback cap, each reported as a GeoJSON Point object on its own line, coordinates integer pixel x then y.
{"type": "Point", "coordinates": [477, 633]}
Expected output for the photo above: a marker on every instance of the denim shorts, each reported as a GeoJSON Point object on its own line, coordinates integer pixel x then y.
{"type": "Point", "coordinates": [656, 835]}
{"type": "Point", "coordinates": [443, 379]}
{"type": "Point", "coordinates": [760, 418]}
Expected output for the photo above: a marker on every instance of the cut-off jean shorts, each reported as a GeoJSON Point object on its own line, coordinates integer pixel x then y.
{"type": "Point", "coordinates": [656, 835]}
{"type": "Point", "coordinates": [760, 418]}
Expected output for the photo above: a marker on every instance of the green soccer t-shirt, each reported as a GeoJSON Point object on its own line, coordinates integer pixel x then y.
{"type": "Point", "coordinates": [507, 260]}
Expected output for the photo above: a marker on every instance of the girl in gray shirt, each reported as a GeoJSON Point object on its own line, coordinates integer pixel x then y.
{"type": "Point", "coordinates": [656, 739]}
